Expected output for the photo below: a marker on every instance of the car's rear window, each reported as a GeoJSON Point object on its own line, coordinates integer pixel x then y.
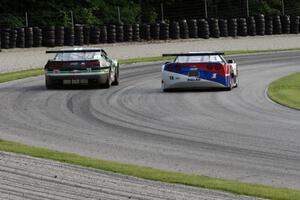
{"type": "Point", "coordinates": [77, 56]}
{"type": "Point", "coordinates": [198, 59]}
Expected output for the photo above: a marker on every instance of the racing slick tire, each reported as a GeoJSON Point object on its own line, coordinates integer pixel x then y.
{"type": "Point", "coordinates": [108, 82]}
{"type": "Point", "coordinates": [49, 83]}
{"type": "Point", "coordinates": [117, 77]}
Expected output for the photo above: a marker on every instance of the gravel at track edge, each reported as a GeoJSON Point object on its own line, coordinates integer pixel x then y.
{"type": "Point", "coordinates": [25, 177]}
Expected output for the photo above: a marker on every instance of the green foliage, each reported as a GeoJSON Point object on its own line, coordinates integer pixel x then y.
{"type": "Point", "coordinates": [11, 21]}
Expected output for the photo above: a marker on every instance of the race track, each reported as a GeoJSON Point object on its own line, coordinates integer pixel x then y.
{"type": "Point", "coordinates": [238, 134]}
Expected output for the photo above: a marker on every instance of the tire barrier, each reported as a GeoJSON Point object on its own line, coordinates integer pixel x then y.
{"type": "Point", "coordinates": [232, 27]}
{"type": "Point", "coordinates": [242, 27]}
{"type": "Point", "coordinates": [95, 35]}
{"type": "Point", "coordinates": [251, 26]}
{"type": "Point", "coordinates": [69, 36]}
{"type": "Point", "coordinates": [5, 33]}
{"type": "Point", "coordinates": [86, 34]}
{"type": "Point", "coordinates": [193, 28]}
{"type": "Point", "coordinates": [184, 29]}
{"type": "Point", "coordinates": [214, 27]}
{"type": "Point", "coordinates": [28, 37]}
{"type": "Point", "coordinates": [174, 30]}
{"type": "Point", "coordinates": [103, 34]}
{"type": "Point", "coordinates": [260, 24]}
{"type": "Point", "coordinates": [21, 38]}
{"type": "Point", "coordinates": [59, 36]}
{"type": "Point", "coordinates": [154, 31]}
{"type": "Point", "coordinates": [277, 27]}
{"type": "Point", "coordinates": [223, 26]}
{"type": "Point", "coordinates": [286, 24]}
{"type": "Point", "coordinates": [145, 32]}
{"type": "Point", "coordinates": [136, 32]}
{"type": "Point", "coordinates": [49, 36]}
{"type": "Point", "coordinates": [203, 29]}
{"type": "Point", "coordinates": [13, 34]}
{"type": "Point", "coordinates": [111, 33]}
{"type": "Point", "coordinates": [269, 25]}
{"type": "Point", "coordinates": [295, 24]}
{"type": "Point", "coordinates": [164, 31]}
{"type": "Point", "coordinates": [78, 29]}
{"type": "Point", "coordinates": [128, 32]}
{"type": "Point", "coordinates": [37, 37]}
{"type": "Point", "coordinates": [120, 33]}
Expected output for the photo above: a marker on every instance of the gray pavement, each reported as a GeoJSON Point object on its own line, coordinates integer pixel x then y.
{"type": "Point", "coordinates": [16, 59]}
{"type": "Point", "coordinates": [23, 177]}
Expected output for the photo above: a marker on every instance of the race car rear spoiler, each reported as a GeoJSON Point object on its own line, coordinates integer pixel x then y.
{"type": "Point", "coordinates": [76, 51]}
{"type": "Point", "coordinates": [195, 54]}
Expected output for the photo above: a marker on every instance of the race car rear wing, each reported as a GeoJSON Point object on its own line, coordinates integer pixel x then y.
{"type": "Point", "coordinates": [76, 51]}
{"type": "Point", "coordinates": [195, 54]}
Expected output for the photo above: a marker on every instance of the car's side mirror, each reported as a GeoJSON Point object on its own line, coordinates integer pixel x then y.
{"type": "Point", "coordinates": [167, 62]}
{"type": "Point", "coordinates": [230, 61]}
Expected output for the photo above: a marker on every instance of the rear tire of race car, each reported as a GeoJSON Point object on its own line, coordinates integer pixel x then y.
{"type": "Point", "coordinates": [49, 84]}
{"type": "Point", "coordinates": [107, 84]}
{"type": "Point", "coordinates": [117, 77]}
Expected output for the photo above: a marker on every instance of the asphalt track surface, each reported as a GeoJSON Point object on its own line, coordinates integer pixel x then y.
{"type": "Point", "coordinates": [238, 134]}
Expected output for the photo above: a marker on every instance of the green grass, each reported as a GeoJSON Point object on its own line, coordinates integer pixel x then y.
{"type": "Point", "coordinates": [10, 76]}
{"type": "Point", "coordinates": [286, 91]}
{"type": "Point", "coordinates": [155, 174]}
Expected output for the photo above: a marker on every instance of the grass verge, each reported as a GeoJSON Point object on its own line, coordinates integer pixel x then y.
{"type": "Point", "coordinates": [286, 91]}
{"type": "Point", "coordinates": [155, 174]}
{"type": "Point", "coordinates": [10, 76]}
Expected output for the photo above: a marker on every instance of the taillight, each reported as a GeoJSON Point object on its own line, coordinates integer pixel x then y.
{"type": "Point", "coordinates": [55, 65]}
{"type": "Point", "coordinates": [178, 67]}
{"type": "Point", "coordinates": [94, 63]}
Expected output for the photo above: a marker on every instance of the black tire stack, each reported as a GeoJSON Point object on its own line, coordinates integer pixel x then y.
{"type": "Point", "coordinates": [103, 34]}
{"type": "Point", "coordinates": [295, 24]}
{"type": "Point", "coordinates": [193, 28]}
{"type": "Point", "coordinates": [49, 36]}
{"type": "Point", "coordinates": [120, 33]}
{"type": "Point", "coordinates": [164, 31]}
{"type": "Point", "coordinates": [21, 38]}
{"type": "Point", "coordinates": [232, 27]}
{"type": "Point", "coordinates": [260, 24]}
{"type": "Point", "coordinates": [223, 25]}
{"type": "Point", "coordinates": [214, 28]}
{"type": "Point", "coordinates": [37, 37]}
{"type": "Point", "coordinates": [111, 33]}
{"type": "Point", "coordinates": [127, 32]}
{"type": "Point", "coordinates": [69, 36]}
{"type": "Point", "coordinates": [28, 37]}
{"type": "Point", "coordinates": [95, 35]}
{"type": "Point", "coordinates": [78, 29]}
{"type": "Point", "coordinates": [86, 34]}
{"type": "Point", "coordinates": [251, 26]}
{"type": "Point", "coordinates": [145, 32]}
{"type": "Point", "coordinates": [135, 32]}
{"type": "Point", "coordinates": [242, 27]}
{"type": "Point", "coordinates": [286, 24]}
{"type": "Point", "coordinates": [184, 29]}
{"type": "Point", "coordinates": [277, 27]}
{"type": "Point", "coordinates": [154, 31]}
{"type": "Point", "coordinates": [203, 29]}
{"type": "Point", "coordinates": [13, 38]}
{"type": "Point", "coordinates": [59, 36]}
{"type": "Point", "coordinates": [5, 32]}
{"type": "Point", "coordinates": [174, 30]}
{"type": "Point", "coordinates": [269, 25]}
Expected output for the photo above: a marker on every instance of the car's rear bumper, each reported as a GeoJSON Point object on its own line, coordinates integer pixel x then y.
{"type": "Point", "coordinates": [97, 77]}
